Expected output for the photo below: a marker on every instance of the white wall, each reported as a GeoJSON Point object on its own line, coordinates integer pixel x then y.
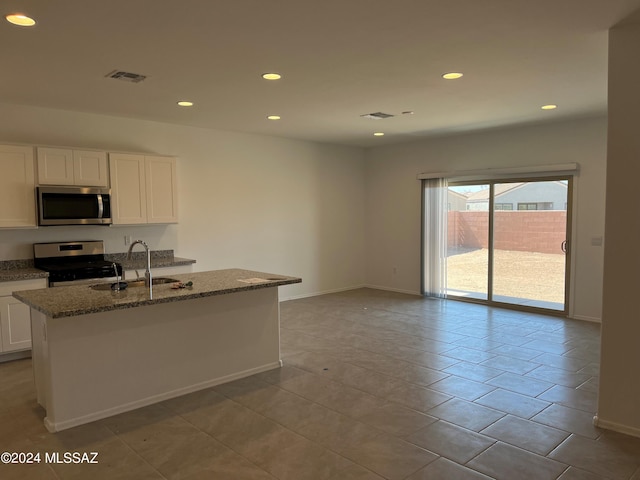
{"type": "Point", "coordinates": [394, 196]}
{"type": "Point", "coordinates": [246, 201]}
{"type": "Point", "coordinates": [619, 398]}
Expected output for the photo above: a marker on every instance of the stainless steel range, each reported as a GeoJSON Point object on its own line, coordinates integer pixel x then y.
{"type": "Point", "coordinates": [73, 263]}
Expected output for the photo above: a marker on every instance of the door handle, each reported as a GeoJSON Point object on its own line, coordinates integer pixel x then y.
{"type": "Point", "coordinates": [563, 246]}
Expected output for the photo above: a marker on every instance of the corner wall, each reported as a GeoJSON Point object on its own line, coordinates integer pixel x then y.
{"type": "Point", "coordinates": [394, 196]}
{"type": "Point", "coordinates": [247, 201]}
{"type": "Point", "coordinates": [619, 394]}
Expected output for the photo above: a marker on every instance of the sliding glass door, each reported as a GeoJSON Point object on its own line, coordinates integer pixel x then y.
{"type": "Point", "coordinates": [467, 242]}
{"type": "Point", "coordinates": [506, 242]}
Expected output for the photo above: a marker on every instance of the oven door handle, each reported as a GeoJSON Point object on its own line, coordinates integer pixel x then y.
{"type": "Point", "coordinates": [100, 206]}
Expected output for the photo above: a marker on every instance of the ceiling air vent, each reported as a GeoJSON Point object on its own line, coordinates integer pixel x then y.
{"type": "Point", "coordinates": [377, 115]}
{"type": "Point", "coordinates": [126, 76]}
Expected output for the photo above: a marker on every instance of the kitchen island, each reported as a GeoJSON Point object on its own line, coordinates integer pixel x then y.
{"type": "Point", "coordinates": [97, 353]}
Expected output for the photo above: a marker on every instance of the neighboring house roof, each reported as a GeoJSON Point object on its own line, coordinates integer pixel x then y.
{"type": "Point", "coordinates": [458, 194]}
{"type": "Point", "coordinates": [500, 189]}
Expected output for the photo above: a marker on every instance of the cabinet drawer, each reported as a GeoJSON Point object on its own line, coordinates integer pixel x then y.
{"type": "Point", "coordinates": [7, 288]}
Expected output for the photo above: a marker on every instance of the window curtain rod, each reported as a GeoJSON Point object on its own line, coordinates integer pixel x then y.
{"type": "Point", "coordinates": [506, 172]}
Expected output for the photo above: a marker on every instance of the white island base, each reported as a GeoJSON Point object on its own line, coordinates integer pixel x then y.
{"type": "Point", "coordinates": [92, 366]}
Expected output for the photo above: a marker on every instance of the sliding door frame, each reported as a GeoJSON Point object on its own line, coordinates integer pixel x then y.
{"type": "Point", "coordinates": [490, 270]}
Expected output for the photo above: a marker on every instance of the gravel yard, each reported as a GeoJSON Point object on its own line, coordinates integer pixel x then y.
{"type": "Point", "coordinates": [527, 275]}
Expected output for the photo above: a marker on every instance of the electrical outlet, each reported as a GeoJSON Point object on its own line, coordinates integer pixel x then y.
{"type": "Point", "coordinates": [127, 239]}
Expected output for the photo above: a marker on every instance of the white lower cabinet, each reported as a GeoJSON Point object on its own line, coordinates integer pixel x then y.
{"type": "Point", "coordinates": [15, 316]}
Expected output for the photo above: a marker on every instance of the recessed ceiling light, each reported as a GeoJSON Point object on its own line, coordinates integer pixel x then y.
{"type": "Point", "coordinates": [378, 134]}
{"type": "Point", "coordinates": [273, 117]}
{"type": "Point", "coordinates": [452, 75]}
{"type": "Point", "coordinates": [20, 19]}
{"type": "Point", "coordinates": [549, 107]}
{"type": "Point", "coordinates": [184, 103]}
{"type": "Point", "coordinates": [271, 76]}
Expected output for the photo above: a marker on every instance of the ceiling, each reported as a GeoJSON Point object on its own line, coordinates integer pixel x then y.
{"type": "Point", "coordinates": [339, 59]}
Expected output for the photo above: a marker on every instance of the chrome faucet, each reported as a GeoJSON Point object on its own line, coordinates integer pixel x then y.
{"type": "Point", "coordinates": [147, 273]}
{"type": "Point", "coordinates": [116, 288]}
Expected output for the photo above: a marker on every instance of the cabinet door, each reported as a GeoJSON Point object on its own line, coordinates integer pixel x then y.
{"type": "Point", "coordinates": [15, 324]}
{"type": "Point", "coordinates": [162, 197]}
{"type": "Point", "coordinates": [17, 187]}
{"type": "Point", "coordinates": [128, 190]}
{"type": "Point", "coordinates": [55, 166]}
{"type": "Point", "coordinates": [90, 168]}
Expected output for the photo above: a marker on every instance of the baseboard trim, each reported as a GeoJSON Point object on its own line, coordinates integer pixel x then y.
{"type": "Point", "coordinates": [388, 289]}
{"type": "Point", "coordinates": [346, 289]}
{"type": "Point", "coordinates": [616, 427]}
{"type": "Point", "coordinates": [324, 292]}
{"type": "Point", "coordinates": [586, 318]}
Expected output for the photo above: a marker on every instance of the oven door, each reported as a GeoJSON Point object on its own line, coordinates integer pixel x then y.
{"type": "Point", "coordinates": [73, 206]}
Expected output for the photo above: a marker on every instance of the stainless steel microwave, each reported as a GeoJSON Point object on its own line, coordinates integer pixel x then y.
{"type": "Point", "coordinates": [74, 206]}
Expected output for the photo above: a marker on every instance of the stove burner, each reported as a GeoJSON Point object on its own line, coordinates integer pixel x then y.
{"type": "Point", "coordinates": [67, 262]}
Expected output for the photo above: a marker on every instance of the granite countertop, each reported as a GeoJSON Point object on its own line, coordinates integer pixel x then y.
{"type": "Point", "coordinates": [81, 300]}
{"type": "Point", "coordinates": [12, 270]}
{"type": "Point", "coordinates": [27, 273]}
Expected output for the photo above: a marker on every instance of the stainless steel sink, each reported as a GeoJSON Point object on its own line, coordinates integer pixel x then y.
{"type": "Point", "coordinates": [135, 283]}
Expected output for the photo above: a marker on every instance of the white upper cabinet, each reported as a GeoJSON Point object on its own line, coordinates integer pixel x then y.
{"type": "Point", "coordinates": [59, 166]}
{"type": "Point", "coordinates": [162, 196]}
{"type": "Point", "coordinates": [17, 187]}
{"type": "Point", "coordinates": [143, 189]}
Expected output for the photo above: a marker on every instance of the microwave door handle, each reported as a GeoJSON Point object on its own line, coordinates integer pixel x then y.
{"type": "Point", "coordinates": [100, 206]}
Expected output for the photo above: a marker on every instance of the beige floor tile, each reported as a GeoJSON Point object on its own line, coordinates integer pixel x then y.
{"type": "Point", "coordinates": [505, 462]}
{"type": "Point", "coordinates": [397, 419]}
{"type": "Point", "coordinates": [390, 457]}
{"type": "Point", "coordinates": [469, 354]}
{"type": "Point", "coordinates": [596, 457]}
{"type": "Point", "coordinates": [572, 397]}
{"type": "Point", "coordinates": [462, 387]}
{"type": "Point", "coordinates": [570, 364]}
{"type": "Point", "coordinates": [34, 471]}
{"type": "Point", "coordinates": [373, 383]}
{"type": "Point", "coordinates": [309, 386]}
{"type": "Point", "coordinates": [373, 355]}
{"type": "Point", "coordinates": [417, 398]}
{"type": "Point", "coordinates": [520, 384]}
{"type": "Point", "coordinates": [349, 401]}
{"type": "Point", "coordinates": [528, 435]}
{"type": "Point", "coordinates": [559, 376]}
{"type": "Point", "coordinates": [619, 441]}
{"type": "Point", "coordinates": [466, 414]}
{"type": "Point", "coordinates": [573, 473]}
{"type": "Point", "coordinates": [514, 403]}
{"type": "Point", "coordinates": [356, 472]}
{"type": "Point", "coordinates": [511, 364]}
{"type": "Point", "coordinates": [335, 430]}
{"type": "Point", "coordinates": [443, 469]}
{"type": "Point", "coordinates": [569, 420]}
{"type": "Point", "coordinates": [591, 385]}
{"type": "Point", "coordinates": [279, 375]}
{"type": "Point", "coordinates": [473, 371]}
{"type": "Point", "coordinates": [420, 375]}
{"type": "Point", "coordinates": [230, 466]}
{"type": "Point", "coordinates": [450, 441]}
{"type": "Point", "coordinates": [115, 461]}
{"type": "Point", "coordinates": [289, 459]}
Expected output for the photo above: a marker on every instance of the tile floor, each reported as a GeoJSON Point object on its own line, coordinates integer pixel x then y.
{"type": "Point", "coordinates": [376, 385]}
